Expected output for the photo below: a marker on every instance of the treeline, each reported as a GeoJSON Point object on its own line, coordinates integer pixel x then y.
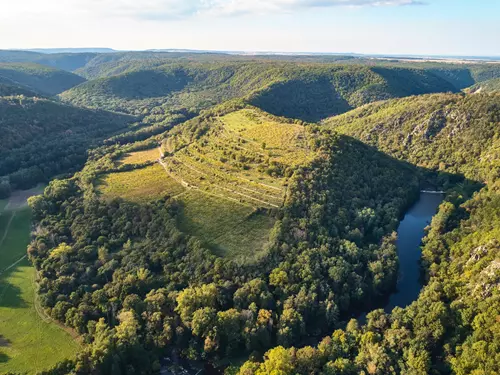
{"type": "Point", "coordinates": [127, 279]}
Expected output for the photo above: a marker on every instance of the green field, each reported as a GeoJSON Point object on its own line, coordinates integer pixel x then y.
{"type": "Point", "coordinates": [233, 230]}
{"type": "Point", "coordinates": [139, 185]}
{"type": "Point", "coordinates": [28, 342]}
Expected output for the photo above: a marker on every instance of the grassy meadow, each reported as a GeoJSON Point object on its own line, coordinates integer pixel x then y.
{"type": "Point", "coordinates": [139, 185]}
{"type": "Point", "coordinates": [140, 157]}
{"type": "Point", "coordinates": [28, 342]}
{"type": "Point", "coordinates": [229, 228]}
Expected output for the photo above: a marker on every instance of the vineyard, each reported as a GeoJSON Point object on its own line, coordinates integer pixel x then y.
{"type": "Point", "coordinates": [227, 181]}
{"type": "Point", "coordinates": [245, 157]}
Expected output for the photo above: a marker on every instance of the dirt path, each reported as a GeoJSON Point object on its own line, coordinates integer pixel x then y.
{"type": "Point", "coordinates": [12, 265]}
{"type": "Point", "coordinates": [7, 228]}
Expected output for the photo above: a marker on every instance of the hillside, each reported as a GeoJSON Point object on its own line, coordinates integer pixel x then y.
{"type": "Point", "coordinates": [489, 86]}
{"type": "Point", "coordinates": [9, 89]}
{"type": "Point", "coordinates": [453, 326]}
{"type": "Point", "coordinates": [228, 173]}
{"type": "Point", "coordinates": [39, 78]}
{"type": "Point", "coordinates": [42, 138]}
{"type": "Point", "coordinates": [308, 92]}
{"type": "Point", "coordinates": [64, 61]}
{"type": "Point", "coordinates": [458, 133]}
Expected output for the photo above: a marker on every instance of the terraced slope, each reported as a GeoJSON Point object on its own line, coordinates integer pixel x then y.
{"type": "Point", "coordinates": [245, 156]}
{"type": "Point", "coordinates": [228, 180]}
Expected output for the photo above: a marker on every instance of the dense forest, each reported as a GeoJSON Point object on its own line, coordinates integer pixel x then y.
{"type": "Point", "coordinates": [42, 139]}
{"type": "Point", "coordinates": [308, 92]}
{"type": "Point", "coordinates": [331, 151]}
{"type": "Point", "coordinates": [38, 78]}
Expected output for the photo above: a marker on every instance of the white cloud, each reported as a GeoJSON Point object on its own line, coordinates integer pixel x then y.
{"type": "Point", "coordinates": [229, 7]}
{"type": "Point", "coordinates": [172, 9]}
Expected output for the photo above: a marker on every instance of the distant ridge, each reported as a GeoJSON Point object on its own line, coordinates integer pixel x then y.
{"type": "Point", "coordinates": [70, 50]}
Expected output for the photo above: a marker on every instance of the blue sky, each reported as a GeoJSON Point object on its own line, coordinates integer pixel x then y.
{"type": "Point", "coordinates": [426, 27]}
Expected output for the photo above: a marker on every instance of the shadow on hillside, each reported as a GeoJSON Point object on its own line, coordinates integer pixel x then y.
{"type": "Point", "coordinates": [10, 295]}
{"type": "Point", "coordinates": [452, 184]}
{"type": "Point", "coordinates": [3, 357]}
{"type": "Point", "coordinates": [309, 101]}
{"type": "Point", "coordinates": [429, 179]}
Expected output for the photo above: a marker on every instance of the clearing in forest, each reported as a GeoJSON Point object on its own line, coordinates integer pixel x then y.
{"type": "Point", "coordinates": [229, 228]}
{"type": "Point", "coordinates": [29, 342]}
{"type": "Point", "coordinates": [140, 157]}
{"type": "Point", "coordinates": [139, 185]}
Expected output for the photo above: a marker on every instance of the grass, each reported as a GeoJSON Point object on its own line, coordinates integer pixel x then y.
{"type": "Point", "coordinates": [28, 343]}
{"type": "Point", "coordinates": [229, 228]}
{"type": "Point", "coordinates": [140, 157]}
{"type": "Point", "coordinates": [139, 185]}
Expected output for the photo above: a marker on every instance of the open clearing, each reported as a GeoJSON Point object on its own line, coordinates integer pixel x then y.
{"type": "Point", "coordinates": [28, 343]}
{"type": "Point", "coordinates": [229, 228]}
{"type": "Point", "coordinates": [139, 185]}
{"type": "Point", "coordinates": [140, 157]}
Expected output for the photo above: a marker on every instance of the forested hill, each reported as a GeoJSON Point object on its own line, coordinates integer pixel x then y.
{"type": "Point", "coordinates": [307, 92]}
{"type": "Point", "coordinates": [38, 78]}
{"type": "Point", "coordinates": [42, 138]}
{"type": "Point", "coordinates": [8, 89]}
{"type": "Point", "coordinates": [459, 134]}
{"type": "Point", "coordinates": [453, 327]}
{"type": "Point", "coordinates": [492, 85]}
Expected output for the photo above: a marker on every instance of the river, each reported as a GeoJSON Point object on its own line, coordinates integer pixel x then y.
{"type": "Point", "coordinates": [410, 234]}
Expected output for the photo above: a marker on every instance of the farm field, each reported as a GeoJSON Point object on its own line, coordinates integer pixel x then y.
{"type": "Point", "coordinates": [28, 342]}
{"type": "Point", "coordinates": [140, 157]}
{"type": "Point", "coordinates": [139, 185]}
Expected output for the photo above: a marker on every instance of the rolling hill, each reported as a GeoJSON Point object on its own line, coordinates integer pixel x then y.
{"type": "Point", "coordinates": [38, 78]}
{"type": "Point", "coordinates": [42, 138]}
{"type": "Point", "coordinates": [309, 92]}
{"type": "Point", "coordinates": [455, 133]}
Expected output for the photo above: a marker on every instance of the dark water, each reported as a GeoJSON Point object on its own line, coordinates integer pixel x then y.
{"type": "Point", "coordinates": [410, 233]}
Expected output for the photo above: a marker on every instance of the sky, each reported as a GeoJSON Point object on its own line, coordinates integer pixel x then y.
{"type": "Point", "coordinates": [417, 27]}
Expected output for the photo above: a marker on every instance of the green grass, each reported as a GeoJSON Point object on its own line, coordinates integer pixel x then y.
{"type": "Point", "coordinates": [231, 229]}
{"type": "Point", "coordinates": [28, 343]}
{"type": "Point", "coordinates": [139, 185]}
{"type": "Point", "coordinates": [140, 157]}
